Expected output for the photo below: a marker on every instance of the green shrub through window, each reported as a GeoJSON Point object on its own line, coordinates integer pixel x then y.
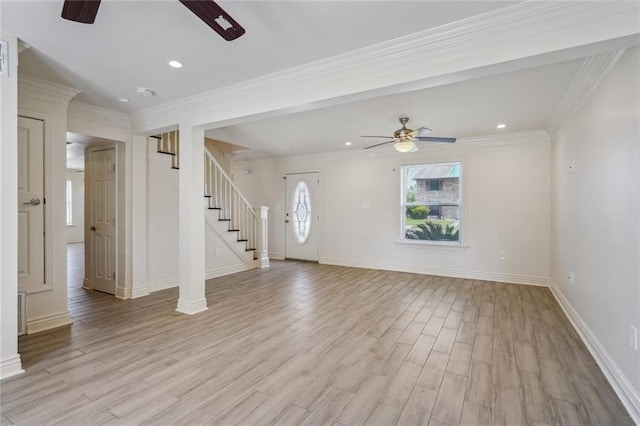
{"type": "Point", "coordinates": [431, 195]}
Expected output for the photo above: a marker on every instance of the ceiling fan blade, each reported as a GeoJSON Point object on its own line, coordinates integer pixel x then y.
{"type": "Point", "coordinates": [83, 11]}
{"type": "Point", "coordinates": [386, 137]}
{"type": "Point", "coordinates": [435, 139]}
{"type": "Point", "coordinates": [379, 144]}
{"type": "Point", "coordinates": [420, 131]}
{"type": "Point", "coordinates": [215, 17]}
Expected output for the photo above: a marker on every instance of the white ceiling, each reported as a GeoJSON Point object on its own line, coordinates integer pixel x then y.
{"type": "Point", "coordinates": [524, 100]}
{"type": "Point", "coordinates": [132, 41]}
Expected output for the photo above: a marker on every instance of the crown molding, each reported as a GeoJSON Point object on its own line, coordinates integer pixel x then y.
{"type": "Point", "coordinates": [591, 73]}
{"type": "Point", "coordinates": [514, 32]}
{"type": "Point", "coordinates": [475, 142]}
{"type": "Point", "coordinates": [97, 114]}
{"type": "Point", "coordinates": [44, 90]}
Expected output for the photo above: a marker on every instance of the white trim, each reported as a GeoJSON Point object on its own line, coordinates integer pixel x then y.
{"type": "Point", "coordinates": [44, 90]}
{"type": "Point", "coordinates": [226, 270]}
{"type": "Point", "coordinates": [522, 30]}
{"type": "Point", "coordinates": [276, 254]}
{"type": "Point", "coordinates": [36, 325]}
{"type": "Point", "coordinates": [160, 285]}
{"type": "Point", "coordinates": [192, 308]}
{"type": "Point", "coordinates": [592, 71]}
{"type": "Point", "coordinates": [123, 293]}
{"type": "Point", "coordinates": [140, 292]}
{"type": "Point", "coordinates": [444, 272]}
{"type": "Point", "coordinates": [629, 396]}
{"type": "Point", "coordinates": [10, 367]}
{"type": "Point", "coordinates": [86, 284]}
{"type": "Point", "coordinates": [175, 282]}
{"type": "Point", "coordinates": [99, 115]}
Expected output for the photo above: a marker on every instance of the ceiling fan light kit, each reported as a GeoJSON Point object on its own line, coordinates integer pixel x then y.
{"type": "Point", "coordinates": [404, 139]}
{"type": "Point", "coordinates": [404, 146]}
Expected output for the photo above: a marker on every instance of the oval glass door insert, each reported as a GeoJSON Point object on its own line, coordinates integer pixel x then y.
{"type": "Point", "coordinates": [301, 212]}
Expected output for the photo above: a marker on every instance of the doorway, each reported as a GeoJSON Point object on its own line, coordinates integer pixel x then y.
{"type": "Point", "coordinates": [302, 216]}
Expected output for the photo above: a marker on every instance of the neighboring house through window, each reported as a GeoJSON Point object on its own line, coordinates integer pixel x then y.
{"type": "Point", "coordinates": [431, 195]}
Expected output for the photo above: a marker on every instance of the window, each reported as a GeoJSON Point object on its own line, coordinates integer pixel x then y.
{"type": "Point", "coordinates": [435, 184]}
{"type": "Point", "coordinates": [301, 212]}
{"type": "Point", "coordinates": [431, 202]}
{"type": "Point", "coordinates": [69, 203]}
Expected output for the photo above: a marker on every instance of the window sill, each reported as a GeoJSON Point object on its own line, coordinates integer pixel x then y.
{"type": "Point", "coordinates": [434, 244]}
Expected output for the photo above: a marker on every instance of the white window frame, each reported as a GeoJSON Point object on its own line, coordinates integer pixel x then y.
{"type": "Point", "coordinates": [462, 229]}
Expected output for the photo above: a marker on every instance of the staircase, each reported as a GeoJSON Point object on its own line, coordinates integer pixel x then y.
{"type": "Point", "coordinates": [246, 229]}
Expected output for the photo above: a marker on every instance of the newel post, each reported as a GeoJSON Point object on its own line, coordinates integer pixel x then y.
{"type": "Point", "coordinates": [263, 238]}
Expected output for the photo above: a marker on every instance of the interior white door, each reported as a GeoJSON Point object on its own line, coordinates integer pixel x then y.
{"type": "Point", "coordinates": [101, 251]}
{"type": "Point", "coordinates": [30, 203]}
{"type": "Point", "coordinates": [301, 216]}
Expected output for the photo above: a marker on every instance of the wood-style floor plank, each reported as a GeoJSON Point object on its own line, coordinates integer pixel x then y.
{"type": "Point", "coordinates": [302, 343]}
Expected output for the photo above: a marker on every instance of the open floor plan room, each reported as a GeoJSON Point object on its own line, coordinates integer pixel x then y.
{"type": "Point", "coordinates": [302, 343]}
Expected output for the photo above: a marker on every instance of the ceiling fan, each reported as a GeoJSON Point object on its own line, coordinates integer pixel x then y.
{"type": "Point", "coordinates": [404, 139]}
{"type": "Point", "coordinates": [85, 11]}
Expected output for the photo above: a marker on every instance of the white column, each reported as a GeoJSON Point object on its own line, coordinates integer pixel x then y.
{"type": "Point", "coordinates": [9, 358]}
{"type": "Point", "coordinates": [191, 240]}
{"type": "Point", "coordinates": [139, 147]}
{"type": "Point", "coordinates": [263, 237]}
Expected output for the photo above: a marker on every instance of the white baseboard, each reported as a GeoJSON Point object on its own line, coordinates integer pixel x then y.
{"type": "Point", "coordinates": [86, 284]}
{"type": "Point", "coordinates": [279, 255]}
{"type": "Point", "coordinates": [11, 366]}
{"type": "Point", "coordinates": [122, 293]}
{"type": "Point", "coordinates": [629, 396]}
{"type": "Point", "coordinates": [162, 285]}
{"type": "Point", "coordinates": [454, 273]}
{"type": "Point", "coordinates": [35, 325]}
{"type": "Point", "coordinates": [225, 270]}
{"type": "Point", "coordinates": [139, 291]}
{"type": "Point", "coordinates": [192, 308]}
{"type": "Point", "coordinates": [175, 282]}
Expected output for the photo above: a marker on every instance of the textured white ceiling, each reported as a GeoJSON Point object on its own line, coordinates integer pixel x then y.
{"type": "Point", "coordinates": [131, 42]}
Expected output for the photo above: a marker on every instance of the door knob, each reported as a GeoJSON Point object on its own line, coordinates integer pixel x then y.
{"type": "Point", "coordinates": [33, 202]}
{"type": "Point", "coordinates": [93, 228]}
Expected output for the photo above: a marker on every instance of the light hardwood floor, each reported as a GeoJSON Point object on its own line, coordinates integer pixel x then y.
{"type": "Point", "coordinates": [300, 343]}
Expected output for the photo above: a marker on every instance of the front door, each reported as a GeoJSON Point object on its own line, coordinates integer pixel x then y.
{"type": "Point", "coordinates": [101, 252]}
{"type": "Point", "coordinates": [301, 216]}
{"type": "Point", "coordinates": [30, 203]}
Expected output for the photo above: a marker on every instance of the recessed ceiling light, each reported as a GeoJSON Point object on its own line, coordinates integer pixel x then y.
{"type": "Point", "coordinates": [175, 64]}
{"type": "Point", "coordinates": [501, 126]}
{"type": "Point", "coordinates": [124, 100]}
{"type": "Point", "coordinates": [143, 91]}
{"type": "Point", "coordinates": [347, 143]}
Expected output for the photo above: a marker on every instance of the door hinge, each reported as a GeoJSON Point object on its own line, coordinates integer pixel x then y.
{"type": "Point", "coordinates": [284, 177]}
{"type": "Point", "coordinates": [44, 200]}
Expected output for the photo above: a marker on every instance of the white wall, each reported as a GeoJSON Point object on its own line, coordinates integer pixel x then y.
{"type": "Point", "coordinates": [49, 102]}
{"type": "Point", "coordinates": [162, 228]}
{"type": "Point", "coordinates": [9, 358]}
{"type": "Point", "coordinates": [596, 211]}
{"type": "Point", "coordinates": [75, 232]}
{"type": "Point", "coordinates": [507, 187]}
